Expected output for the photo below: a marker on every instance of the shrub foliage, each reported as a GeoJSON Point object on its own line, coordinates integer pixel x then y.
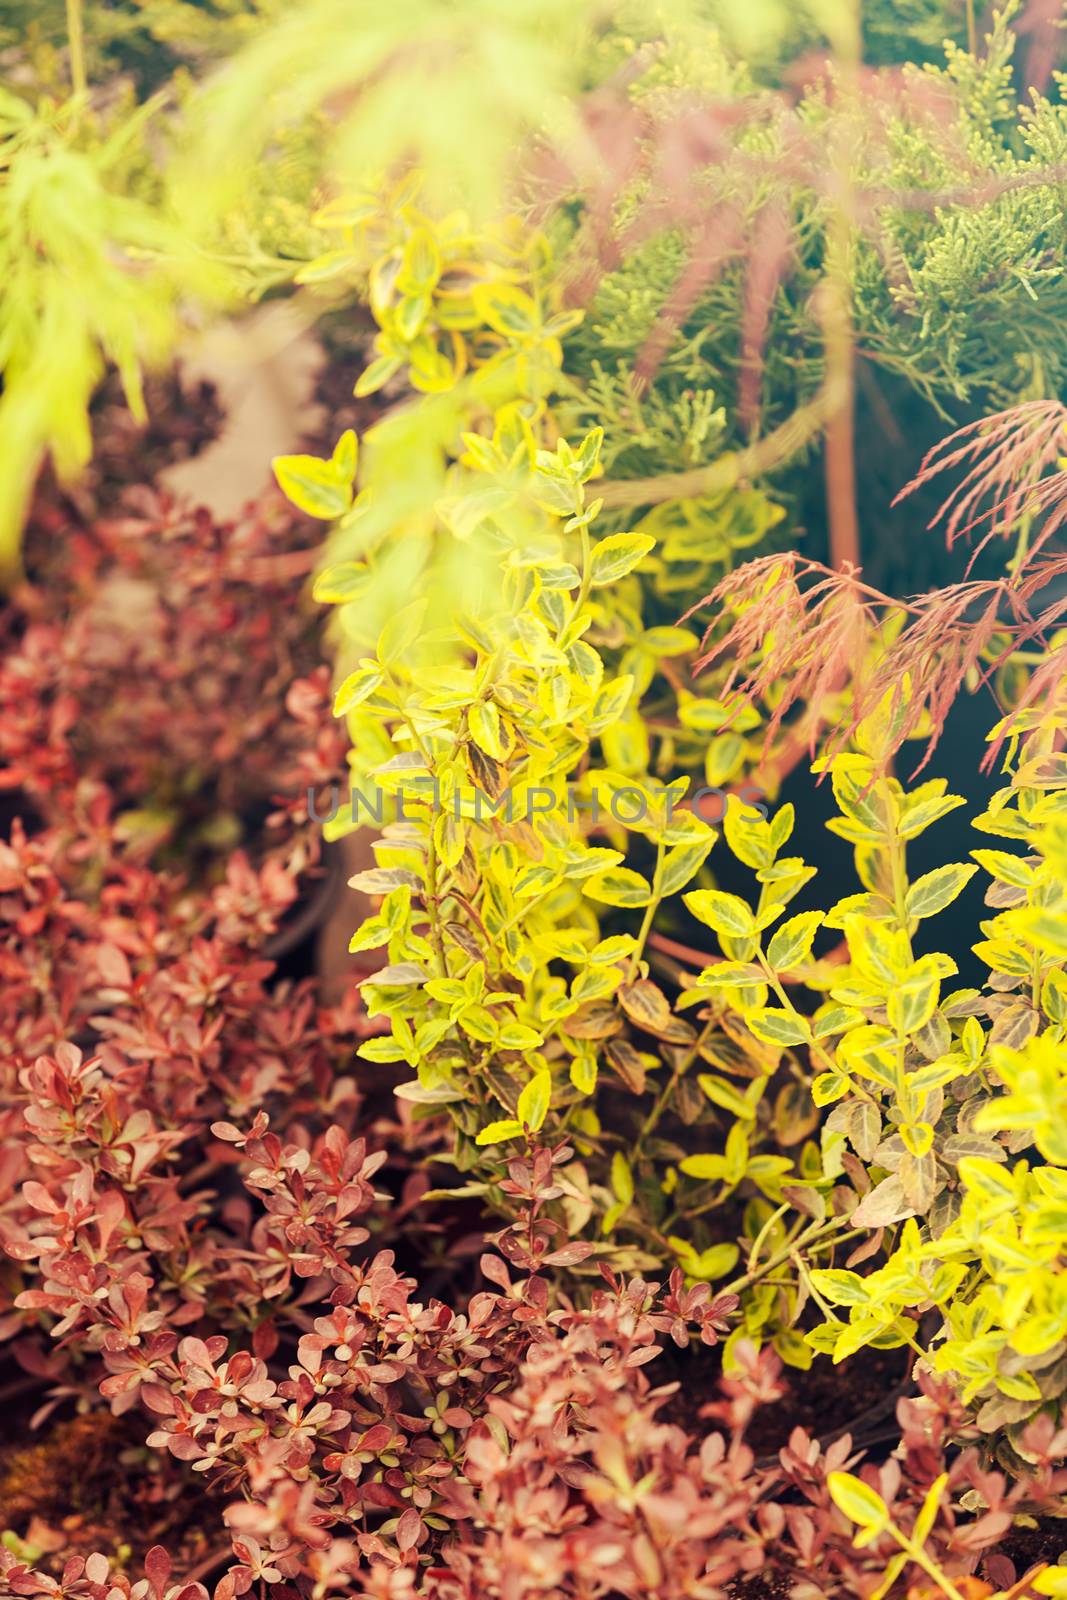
{"type": "Point", "coordinates": [682, 1118]}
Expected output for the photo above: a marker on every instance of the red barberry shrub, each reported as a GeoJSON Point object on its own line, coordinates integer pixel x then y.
{"type": "Point", "coordinates": [174, 662]}
{"type": "Point", "coordinates": [159, 694]}
{"type": "Point", "coordinates": [366, 1441]}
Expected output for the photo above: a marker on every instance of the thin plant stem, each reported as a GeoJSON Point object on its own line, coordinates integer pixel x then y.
{"type": "Point", "coordinates": [838, 333]}
{"type": "Point", "coordinates": [76, 42]}
{"type": "Point", "coordinates": [818, 1230]}
{"type": "Point", "coordinates": [650, 912]}
{"type": "Point", "coordinates": [921, 1559]}
{"type": "Point", "coordinates": [838, 339]}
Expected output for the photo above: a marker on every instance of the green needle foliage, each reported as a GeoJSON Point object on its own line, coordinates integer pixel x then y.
{"type": "Point", "coordinates": [92, 273]}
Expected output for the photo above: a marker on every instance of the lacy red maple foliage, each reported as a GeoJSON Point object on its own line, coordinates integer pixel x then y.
{"type": "Point", "coordinates": [812, 645]}
{"type": "Point", "coordinates": [798, 636]}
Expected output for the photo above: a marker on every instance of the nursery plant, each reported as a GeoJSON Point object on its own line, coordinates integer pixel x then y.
{"type": "Point", "coordinates": [673, 1202]}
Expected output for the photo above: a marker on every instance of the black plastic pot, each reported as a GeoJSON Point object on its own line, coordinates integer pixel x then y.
{"type": "Point", "coordinates": [292, 947]}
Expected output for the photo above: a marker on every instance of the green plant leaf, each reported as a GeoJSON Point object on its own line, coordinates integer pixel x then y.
{"type": "Point", "coordinates": [706, 1167]}
{"type": "Point", "coordinates": [401, 632]}
{"type": "Point", "coordinates": [337, 585]}
{"type": "Point", "coordinates": [497, 1132]}
{"type": "Point", "coordinates": [725, 913]}
{"type": "Point", "coordinates": [827, 1087]}
{"type": "Point", "coordinates": [792, 942]}
{"type": "Point", "coordinates": [841, 1288]}
{"type": "Point", "coordinates": [483, 720]}
{"type": "Point", "coordinates": [612, 558]}
{"type": "Point", "coordinates": [377, 375]}
{"type": "Point", "coordinates": [356, 688]}
{"type": "Point", "coordinates": [320, 488]}
{"type": "Point", "coordinates": [517, 1036]}
{"type": "Point", "coordinates": [913, 1001]}
{"type": "Point", "coordinates": [774, 1025]}
{"type": "Point", "coordinates": [622, 1179]}
{"type": "Point", "coordinates": [680, 864]}
{"type": "Point", "coordinates": [534, 1100]}
{"type": "Point", "coordinates": [936, 890]}
{"type": "Point", "coordinates": [860, 1503]}
{"type": "Point", "coordinates": [619, 887]}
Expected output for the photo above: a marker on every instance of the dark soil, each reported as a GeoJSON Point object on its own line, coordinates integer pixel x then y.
{"type": "Point", "coordinates": [88, 1483]}
{"type": "Point", "coordinates": [759, 1587]}
{"type": "Point", "coordinates": [859, 1397]}
{"type": "Point", "coordinates": [183, 419]}
{"type": "Point", "coordinates": [1026, 1548]}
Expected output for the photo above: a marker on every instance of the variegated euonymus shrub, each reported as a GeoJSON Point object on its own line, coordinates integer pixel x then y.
{"type": "Point", "coordinates": [535, 758]}
{"type": "Point", "coordinates": [820, 1081]}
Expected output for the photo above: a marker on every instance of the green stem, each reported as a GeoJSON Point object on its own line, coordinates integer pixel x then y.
{"type": "Point", "coordinates": [837, 1239]}
{"type": "Point", "coordinates": [587, 572]}
{"type": "Point", "coordinates": [814, 1045]}
{"type": "Point", "coordinates": [1035, 982]}
{"type": "Point", "coordinates": [898, 862]}
{"type": "Point", "coordinates": [757, 1243]}
{"type": "Point", "coordinates": [818, 1230]}
{"type": "Point", "coordinates": [921, 1559]}
{"type": "Point", "coordinates": [650, 911]}
{"type": "Point", "coordinates": [433, 897]}
{"type": "Point", "coordinates": [76, 41]}
{"type": "Point", "coordinates": [898, 867]}
{"type": "Point", "coordinates": [433, 907]}
{"type": "Point", "coordinates": [805, 1277]}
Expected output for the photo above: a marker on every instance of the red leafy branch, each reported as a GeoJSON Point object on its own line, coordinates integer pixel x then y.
{"type": "Point", "coordinates": [1005, 456]}
{"type": "Point", "coordinates": [800, 635]}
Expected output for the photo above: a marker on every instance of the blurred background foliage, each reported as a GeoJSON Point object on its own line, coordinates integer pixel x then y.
{"type": "Point", "coordinates": [164, 162]}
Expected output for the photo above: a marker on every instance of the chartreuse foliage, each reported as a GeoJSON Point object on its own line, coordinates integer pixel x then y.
{"type": "Point", "coordinates": [99, 270]}
{"type": "Point", "coordinates": [492, 748]}
{"type": "Point", "coordinates": [526, 748]}
{"type": "Point", "coordinates": [447, 297]}
{"type": "Point", "coordinates": [525, 739]}
{"type": "Point", "coordinates": [934, 1090]}
{"type": "Point", "coordinates": [866, 1508]}
{"type": "Point", "coordinates": [91, 274]}
{"type": "Point", "coordinates": [510, 997]}
{"type": "Point", "coordinates": [116, 219]}
{"type": "Point", "coordinates": [471, 320]}
{"type": "Point", "coordinates": [488, 879]}
{"type": "Point", "coordinates": [147, 225]}
{"type": "Point", "coordinates": [508, 710]}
